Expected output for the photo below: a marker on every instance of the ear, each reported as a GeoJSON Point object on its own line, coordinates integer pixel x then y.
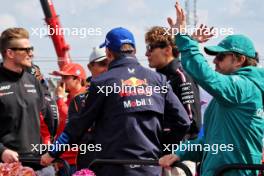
{"type": "Point", "coordinates": [241, 60]}
{"type": "Point", "coordinates": [89, 66]}
{"type": "Point", "coordinates": [135, 51]}
{"type": "Point", "coordinates": [109, 55]}
{"type": "Point", "coordinates": [9, 53]}
{"type": "Point", "coordinates": [168, 51]}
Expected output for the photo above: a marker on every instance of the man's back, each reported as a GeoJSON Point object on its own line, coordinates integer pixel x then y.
{"type": "Point", "coordinates": [128, 121]}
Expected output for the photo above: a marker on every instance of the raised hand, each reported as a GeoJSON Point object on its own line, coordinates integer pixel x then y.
{"type": "Point", "coordinates": [180, 24]}
{"type": "Point", "coordinates": [203, 33]}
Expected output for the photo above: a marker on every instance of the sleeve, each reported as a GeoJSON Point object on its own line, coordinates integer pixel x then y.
{"type": "Point", "coordinates": [2, 148]}
{"type": "Point", "coordinates": [222, 87]}
{"type": "Point", "coordinates": [184, 91]}
{"type": "Point", "coordinates": [42, 104]}
{"type": "Point", "coordinates": [44, 131]}
{"type": "Point", "coordinates": [63, 113]}
{"type": "Point", "coordinates": [192, 155]}
{"type": "Point", "coordinates": [175, 115]}
{"type": "Point", "coordinates": [82, 121]}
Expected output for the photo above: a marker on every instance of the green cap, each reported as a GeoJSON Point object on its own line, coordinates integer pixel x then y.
{"type": "Point", "coordinates": [233, 43]}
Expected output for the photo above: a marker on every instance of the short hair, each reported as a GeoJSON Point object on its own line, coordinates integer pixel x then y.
{"type": "Point", "coordinates": [9, 35]}
{"type": "Point", "coordinates": [158, 35]}
{"type": "Point", "coordinates": [125, 50]}
{"type": "Point", "coordinates": [249, 61]}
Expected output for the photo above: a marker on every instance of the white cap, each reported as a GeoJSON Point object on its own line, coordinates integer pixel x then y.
{"type": "Point", "coordinates": [97, 55]}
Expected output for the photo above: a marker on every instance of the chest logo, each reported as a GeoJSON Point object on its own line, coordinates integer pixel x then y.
{"type": "Point", "coordinates": [7, 87]}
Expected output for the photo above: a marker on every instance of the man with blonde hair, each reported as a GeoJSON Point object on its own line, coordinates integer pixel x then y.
{"type": "Point", "coordinates": [21, 97]}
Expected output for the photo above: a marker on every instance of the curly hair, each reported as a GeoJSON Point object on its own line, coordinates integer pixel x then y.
{"type": "Point", "coordinates": [158, 35]}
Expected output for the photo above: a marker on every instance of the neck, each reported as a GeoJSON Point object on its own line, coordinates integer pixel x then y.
{"type": "Point", "coordinates": [166, 62]}
{"type": "Point", "coordinates": [169, 59]}
{"type": "Point", "coordinates": [11, 66]}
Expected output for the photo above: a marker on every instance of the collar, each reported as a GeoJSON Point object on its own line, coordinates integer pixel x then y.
{"type": "Point", "coordinates": [11, 75]}
{"type": "Point", "coordinates": [171, 67]}
{"type": "Point", "coordinates": [75, 93]}
{"type": "Point", "coordinates": [126, 60]}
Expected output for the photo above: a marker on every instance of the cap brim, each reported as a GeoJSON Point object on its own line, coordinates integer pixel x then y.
{"type": "Point", "coordinates": [100, 59]}
{"type": "Point", "coordinates": [214, 50]}
{"type": "Point", "coordinates": [59, 73]}
{"type": "Point", "coordinates": [102, 45]}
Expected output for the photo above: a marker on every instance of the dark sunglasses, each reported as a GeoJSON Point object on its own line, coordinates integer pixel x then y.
{"type": "Point", "coordinates": [221, 56]}
{"type": "Point", "coordinates": [27, 49]}
{"type": "Point", "coordinates": [151, 47]}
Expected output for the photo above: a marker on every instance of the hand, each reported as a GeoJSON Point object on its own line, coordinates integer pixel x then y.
{"type": "Point", "coordinates": [203, 34]}
{"type": "Point", "coordinates": [180, 24]}
{"type": "Point", "coordinates": [9, 156]}
{"type": "Point", "coordinates": [167, 160]}
{"type": "Point", "coordinates": [46, 159]}
{"type": "Point", "coordinates": [60, 90]}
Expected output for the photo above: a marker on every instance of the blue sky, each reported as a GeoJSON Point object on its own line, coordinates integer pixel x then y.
{"type": "Point", "coordinates": [244, 17]}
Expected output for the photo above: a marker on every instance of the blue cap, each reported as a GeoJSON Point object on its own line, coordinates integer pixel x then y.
{"type": "Point", "coordinates": [117, 37]}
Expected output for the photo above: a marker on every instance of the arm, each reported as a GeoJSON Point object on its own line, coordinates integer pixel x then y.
{"type": "Point", "coordinates": [81, 121]}
{"type": "Point", "coordinates": [196, 156]}
{"type": "Point", "coordinates": [193, 155]}
{"type": "Point", "coordinates": [222, 87]}
{"type": "Point", "coordinates": [175, 114]}
{"type": "Point", "coordinates": [63, 113]}
{"type": "Point", "coordinates": [44, 131]}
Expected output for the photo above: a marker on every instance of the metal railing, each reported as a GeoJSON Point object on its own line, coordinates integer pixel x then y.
{"type": "Point", "coordinates": [138, 162]}
{"type": "Point", "coordinates": [228, 167]}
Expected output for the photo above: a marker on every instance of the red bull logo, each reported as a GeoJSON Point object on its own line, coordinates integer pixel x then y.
{"type": "Point", "coordinates": [134, 82]}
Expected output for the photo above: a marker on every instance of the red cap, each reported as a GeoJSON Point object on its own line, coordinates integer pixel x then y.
{"type": "Point", "coordinates": [71, 69]}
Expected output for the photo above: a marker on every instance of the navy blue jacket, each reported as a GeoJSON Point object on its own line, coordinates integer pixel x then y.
{"type": "Point", "coordinates": [128, 124]}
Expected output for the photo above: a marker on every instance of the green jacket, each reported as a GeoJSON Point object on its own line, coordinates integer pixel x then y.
{"type": "Point", "coordinates": [234, 117]}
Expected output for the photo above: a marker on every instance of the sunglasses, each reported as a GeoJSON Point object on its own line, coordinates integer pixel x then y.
{"type": "Point", "coordinates": [151, 47]}
{"type": "Point", "coordinates": [221, 56]}
{"type": "Point", "coordinates": [27, 49]}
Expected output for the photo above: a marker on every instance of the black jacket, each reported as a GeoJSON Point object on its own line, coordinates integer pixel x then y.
{"type": "Point", "coordinates": [128, 125]}
{"type": "Point", "coordinates": [21, 101]}
{"type": "Point", "coordinates": [186, 90]}
{"type": "Point", "coordinates": [50, 114]}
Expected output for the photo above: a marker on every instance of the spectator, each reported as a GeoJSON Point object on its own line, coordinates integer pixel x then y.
{"type": "Point", "coordinates": [128, 123]}
{"type": "Point", "coordinates": [98, 62]}
{"type": "Point", "coordinates": [73, 81]}
{"type": "Point", "coordinates": [21, 97]}
{"type": "Point", "coordinates": [234, 118]}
